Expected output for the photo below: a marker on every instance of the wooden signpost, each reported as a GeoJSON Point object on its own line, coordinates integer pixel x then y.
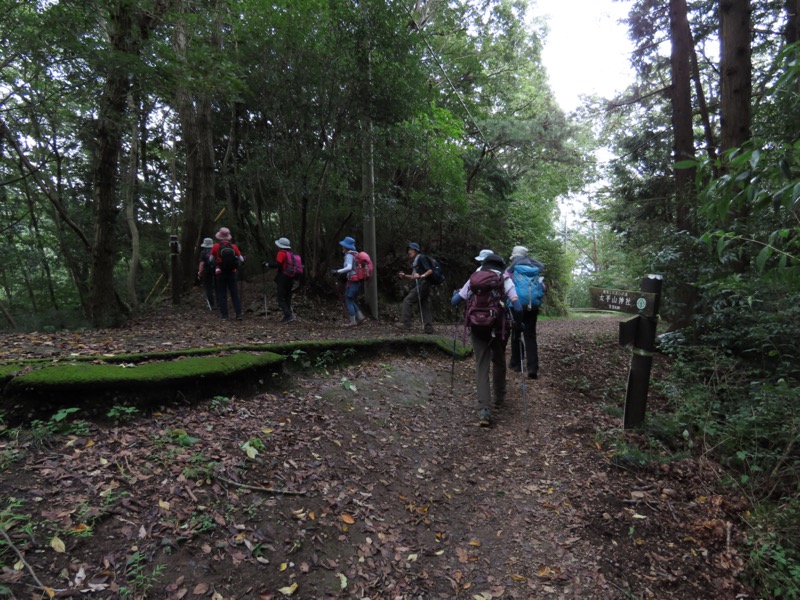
{"type": "Point", "coordinates": [640, 331]}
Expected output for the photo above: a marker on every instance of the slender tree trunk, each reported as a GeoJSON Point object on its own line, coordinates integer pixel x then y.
{"type": "Point", "coordinates": [792, 10]}
{"type": "Point", "coordinates": [130, 207]}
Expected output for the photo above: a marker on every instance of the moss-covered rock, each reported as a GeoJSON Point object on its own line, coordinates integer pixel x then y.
{"type": "Point", "coordinates": [89, 376]}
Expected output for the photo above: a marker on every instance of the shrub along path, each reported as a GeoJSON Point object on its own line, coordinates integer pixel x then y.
{"type": "Point", "coordinates": [369, 479]}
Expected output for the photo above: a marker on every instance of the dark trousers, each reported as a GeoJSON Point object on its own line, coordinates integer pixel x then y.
{"type": "Point", "coordinates": [417, 297]}
{"type": "Point", "coordinates": [208, 285]}
{"type": "Point", "coordinates": [490, 352]}
{"type": "Point", "coordinates": [228, 282]}
{"type": "Point", "coordinates": [284, 286]}
{"type": "Point", "coordinates": [531, 355]}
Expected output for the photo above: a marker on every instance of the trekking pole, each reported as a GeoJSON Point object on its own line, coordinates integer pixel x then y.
{"type": "Point", "coordinates": [522, 378]}
{"type": "Point", "coordinates": [419, 299]}
{"type": "Point", "coordinates": [453, 366]}
{"type": "Point", "coordinates": [264, 280]}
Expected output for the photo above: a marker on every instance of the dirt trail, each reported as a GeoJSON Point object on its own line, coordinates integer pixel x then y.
{"type": "Point", "coordinates": [370, 480]}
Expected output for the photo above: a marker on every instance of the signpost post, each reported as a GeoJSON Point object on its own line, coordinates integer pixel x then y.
{"type": "Point", "coordinates": [640, 331]}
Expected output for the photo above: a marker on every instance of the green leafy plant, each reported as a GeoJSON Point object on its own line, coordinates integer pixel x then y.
{"type": "Point", "coordinates": [139, 579]}
{"type": "Point", "coordinates": [219, 403]}
{"type": "Point", "coordinates": [122, 414]}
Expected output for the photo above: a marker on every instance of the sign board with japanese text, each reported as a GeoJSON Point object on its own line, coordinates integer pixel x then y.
{"type": "Point", "coordinates": [628, 301]}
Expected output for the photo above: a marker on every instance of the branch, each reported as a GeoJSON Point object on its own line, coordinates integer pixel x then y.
{"type": "Point", "coordinates": [261, 489]}
{"type": "Point", "coordinates": [22, 558]}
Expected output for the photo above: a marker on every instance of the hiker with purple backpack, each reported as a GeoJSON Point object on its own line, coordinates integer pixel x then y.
{"type": "Point", "coordinates": [489, 293]}
{"type": "Point", "coordinates": [289, 267]}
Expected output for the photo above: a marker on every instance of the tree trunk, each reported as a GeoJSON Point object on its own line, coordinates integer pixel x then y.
{"type": "Point", "coordinates": [735, 71]}
{"type": "Point", "coordinates": [130, 207]}
{"type": "Point", "coordinates": [792, 9]}
{"type": "Point", "coordinates": [125, 30]}
{"type": "Point", "coordinates": [682, 131]}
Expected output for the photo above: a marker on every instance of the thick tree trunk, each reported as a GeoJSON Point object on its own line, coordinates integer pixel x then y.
{"type": "Point", "coordinates": [792, 9]}
{"type": "Point", "coordinates": [735, 69]}
{"type": "Point", "coordinates": [682, 130]}
{"type": "Point", "coordinates": [105, 311]}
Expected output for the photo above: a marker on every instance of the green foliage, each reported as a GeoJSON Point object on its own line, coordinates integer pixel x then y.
{"type": "Point", "coordinates": [139, 579]}
{"type": "Point", "coordinates": [774, 550]}
{"type": "Point", "coordinates": [122, 414]}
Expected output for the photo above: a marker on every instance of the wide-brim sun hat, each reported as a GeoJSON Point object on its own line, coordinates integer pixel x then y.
{"type": "Point", "coordinates": [519, 251]}
{"type": "Point", "coordinates": [414, 246]}
{"type": "Point", "coordinates": [348, 243]}
{"type": "Point", "coordinates": [494, 260]}
{"type": "Point", "coordinates": [283, 243]}
{"type": "Point", "coordinates": [483, 254]}
{"type": "Point", "coordinates": [207, 243]}
{"type": "Point", "coordinates": [223, 235]}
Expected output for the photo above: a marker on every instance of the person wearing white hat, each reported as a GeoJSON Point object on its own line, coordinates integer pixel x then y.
{"type": "Point", "coordinates": [482, 255]}
{"type": "Point", "coordinates": [227, 259]}
{"type": "Point", "coordinates": [289, 267]}
{"type": "Point", "coordinates": [205, 271]}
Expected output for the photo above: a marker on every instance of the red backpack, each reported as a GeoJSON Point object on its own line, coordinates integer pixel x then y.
{"type": "Point", "coordinates": [485, 314]}
{"type": "Point", "coordinates": [363, 266]}
{"type": "Point", "coordinates": [292, 265]}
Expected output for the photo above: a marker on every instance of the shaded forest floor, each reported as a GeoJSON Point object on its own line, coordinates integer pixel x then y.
{"type": "Point", "coordinates": [366, 477]}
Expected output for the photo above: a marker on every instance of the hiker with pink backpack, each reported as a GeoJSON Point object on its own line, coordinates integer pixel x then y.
{"type": "Point", "coordinates": [357, 269]}
{"type": "Point", "coordinates": [290, 269]}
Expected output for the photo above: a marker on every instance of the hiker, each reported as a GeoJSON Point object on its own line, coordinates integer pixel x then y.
{"type": "Point", "coordinates": [418, 294]}
{"type": "Point", "coordinates": [290, 268]}
{"type": "Point", "coordinates": [353, 287]}
{"type": "Point", "coordinates": [488, 292]}
{"type": "Point", "coordinates": [227, 259]}
{"type": "Point", "coordinates": [205, 271]}
{"type": "Point", "coordinates": [526, 273]}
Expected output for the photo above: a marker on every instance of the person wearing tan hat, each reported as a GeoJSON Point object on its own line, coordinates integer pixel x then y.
{"type": "Point", "coordinates": [205, 272]}
{"type": "Point", "coordinates": [227, 259]}
{"type": "Point", "coordinates": [523, 343]}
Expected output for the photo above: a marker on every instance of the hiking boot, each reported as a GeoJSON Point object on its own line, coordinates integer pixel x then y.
{"type": "Point", "coordinates": [288, 319]}
{"type": "Point", "coordinates": [513, 368]}
{"type": "Point", "coordinates": [499, 401]}
{"type": "Point", "coordinates": [361, 320]}
{"type": "Point", "coordinates": [429, 329]}
{"type": "Point", "coordinates": [403, 326]}
{"type": "Point", "coordinates": [533, 375]}
{"type": "Point", "coordinates": [484, 417]}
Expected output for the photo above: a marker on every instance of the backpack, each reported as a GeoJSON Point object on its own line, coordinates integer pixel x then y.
{"type": "Point", "coordinates": [364, 267]}
{"type": "Point", "coordinates": [436, 276]}
{"type": "Point", "coordinates": [485, 314]}
{"type": "Point", "coordinates": [227, 257]}
{"type": "Point", "coordinates": [293, 265]}
{"type": "Point", "coordinates": [528, 281]}
{"type": "Point", "coordinates": [208, 260]}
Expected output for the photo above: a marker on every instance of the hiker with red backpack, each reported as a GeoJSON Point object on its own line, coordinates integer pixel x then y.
{"type": "Point", "coordinates": [227, 259]}
{"type": "Point", "coordinates": [290, 269]}
{"type": "Point", "coordinates": [354, 271]}
{"type": "Point", "coordinates": [489, 293]}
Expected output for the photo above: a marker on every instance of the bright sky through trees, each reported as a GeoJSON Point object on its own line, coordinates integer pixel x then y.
{"type": "Point", "coordinates": [587, 49]}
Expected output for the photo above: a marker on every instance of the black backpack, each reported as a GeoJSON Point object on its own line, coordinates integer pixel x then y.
{"type": "Point", "coordinates": [208, 261]}
{"type": "Point", "coordinates": [227, 257]}
{"type": "Point", "coordinates": [436, 277]}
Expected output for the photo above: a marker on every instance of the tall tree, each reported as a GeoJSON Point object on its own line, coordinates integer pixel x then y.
{"type": "Point", "coordinates": [735, 72]}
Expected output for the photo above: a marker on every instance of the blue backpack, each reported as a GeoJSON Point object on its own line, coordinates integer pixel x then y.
{"type": "Point", "coordinates": [528, 281]}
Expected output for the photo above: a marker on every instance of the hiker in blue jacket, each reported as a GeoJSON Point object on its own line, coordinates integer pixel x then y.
{"type": "Point", "coordinates": [530, 311]}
